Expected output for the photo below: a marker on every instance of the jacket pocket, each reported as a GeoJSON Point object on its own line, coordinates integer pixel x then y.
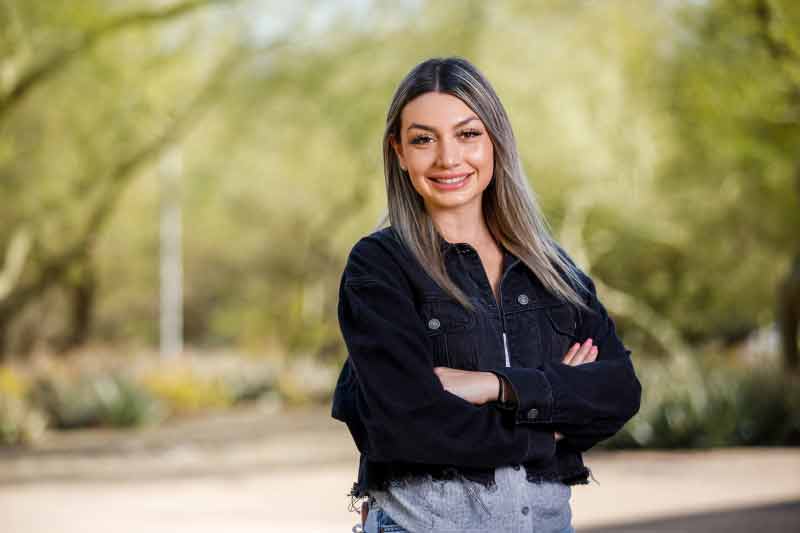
{"type": "Point", "coordinates": [453, 332]}
{"type": "Point", "coordinates": [562, 333]}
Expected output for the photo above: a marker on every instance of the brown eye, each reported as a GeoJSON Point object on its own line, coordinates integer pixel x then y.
{"type": "Point", "coordinates": [471, 133]}
{"type": "Point", "coordinates": [421, 139]}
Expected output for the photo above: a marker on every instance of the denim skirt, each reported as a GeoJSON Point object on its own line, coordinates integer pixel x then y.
{"type": "Point", "coordinates": [513, 504]}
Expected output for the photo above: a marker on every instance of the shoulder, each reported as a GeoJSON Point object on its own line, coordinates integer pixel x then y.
{"type": "Point", "coordinates": [377, 255]}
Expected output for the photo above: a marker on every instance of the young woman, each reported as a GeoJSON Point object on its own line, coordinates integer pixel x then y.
{"type": "Point", "coordinates": [481, 363]}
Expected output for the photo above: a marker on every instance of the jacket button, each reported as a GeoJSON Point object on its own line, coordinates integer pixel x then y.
{"type": "Point", "coordinates": [434, 323]}
{"type": "Point", "coordinates": [526, 510]}
{"type": "Point", "coordinates": [533, 413]}
{"type": "Point", "coordinates": [523, 299]}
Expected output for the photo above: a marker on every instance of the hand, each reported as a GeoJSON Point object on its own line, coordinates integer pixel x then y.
{"type": "Point", "coordinates": [474, 386]}
{"type": "Point", "coordinates": [579, 354]}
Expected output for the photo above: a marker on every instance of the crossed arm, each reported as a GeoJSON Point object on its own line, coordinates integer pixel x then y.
{"type": "Point", "coordinates": [479, 387]}
{"type": "Point", "coordinates": [407, 409]}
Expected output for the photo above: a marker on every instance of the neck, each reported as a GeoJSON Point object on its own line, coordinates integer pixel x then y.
{"type": "Point", "coordinates": [465, 224]}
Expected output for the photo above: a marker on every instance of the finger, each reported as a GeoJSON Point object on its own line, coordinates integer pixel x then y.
{"type": "Point", "coordinates": [593, 354]}
{"type": "Point", "coordinates": [571, 353]}
{"type": "Point", "coordinates": [583, 352]}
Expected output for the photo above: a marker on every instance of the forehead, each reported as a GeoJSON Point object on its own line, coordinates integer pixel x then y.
{"type": "Point", "coordinates": [439, 110]}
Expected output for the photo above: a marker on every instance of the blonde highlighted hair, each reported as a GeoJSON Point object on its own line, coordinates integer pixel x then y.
{"type": "Point", "coordinates": [510, 208]}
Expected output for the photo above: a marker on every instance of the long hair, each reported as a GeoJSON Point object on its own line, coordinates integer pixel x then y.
{"type": "Point", "coordinates": [509, 205]}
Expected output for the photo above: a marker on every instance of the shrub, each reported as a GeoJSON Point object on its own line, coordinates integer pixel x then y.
{"type": "Point", "coordinates": [95, 400]}
{"type": "Point", "coordinates": [712, 403]}
{"type": "Point", "coordinates": [185, 392]}
{"type": "Point", "coordinates": [98, 389]}
{"type": "Point", "coordinates": [20, 423]}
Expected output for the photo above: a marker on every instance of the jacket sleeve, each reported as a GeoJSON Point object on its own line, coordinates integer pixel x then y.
{"type": "Point", "coordinates": [406, 413]}
{"type": "Point", "coordinates": [587, 403]}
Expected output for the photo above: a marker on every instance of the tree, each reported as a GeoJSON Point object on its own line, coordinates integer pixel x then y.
{"type": "Point", "coordinates": [69, 263]}
{"type": "Point", "coordinates": [736, 83]}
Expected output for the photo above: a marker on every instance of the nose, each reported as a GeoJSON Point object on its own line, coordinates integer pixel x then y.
{"type": "Point", "coordinates": [449, 153]}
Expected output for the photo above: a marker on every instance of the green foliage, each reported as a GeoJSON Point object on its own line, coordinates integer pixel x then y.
{"type": "Point", "coordinates": [97, 389]}
{"type": "Point", "coordinates": [661, 137]}
{"type": "Point", "coordinates": [95, 400]}
{"type": "Point", "coordinates": [719, 405]}
{"type": "Point", "coordinates": [731, 183]}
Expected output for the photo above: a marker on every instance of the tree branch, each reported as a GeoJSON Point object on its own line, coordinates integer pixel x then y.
{"type": "Point", "coordinates": [59, 60]}
{"type": "Point", "coordinates": [55, 267]}
{"type": "Point", "coordinates": [17, 252]}
{"type": "Point", "coordinates": [619, 302]}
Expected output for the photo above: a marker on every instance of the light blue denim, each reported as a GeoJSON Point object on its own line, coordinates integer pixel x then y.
{"type": "Point", "coordinates": [512, 505]}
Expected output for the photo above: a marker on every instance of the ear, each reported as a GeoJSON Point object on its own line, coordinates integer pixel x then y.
{"type": "Point", "coordinates": [398, 149]}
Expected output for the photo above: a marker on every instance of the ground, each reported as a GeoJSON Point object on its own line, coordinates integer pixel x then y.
{"type": "Point", "coordinates": [259, 469]}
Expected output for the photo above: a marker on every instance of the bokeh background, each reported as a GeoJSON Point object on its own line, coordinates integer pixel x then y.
{"type": "Point", "coordinates": [181, 182]}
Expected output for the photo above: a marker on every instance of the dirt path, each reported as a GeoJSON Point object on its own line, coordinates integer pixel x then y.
{"type": "Point", "coordinates": [265, 471]}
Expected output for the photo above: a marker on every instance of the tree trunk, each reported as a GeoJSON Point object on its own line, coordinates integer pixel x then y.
{"type": "Point", "coordinates": [5, 323]}
{"type": "Point", "coordinates": [54, 269]}
{"type": "Point", "coordinates": [789, 316]}
{"type": "Point", "coordinates": [82, 299]}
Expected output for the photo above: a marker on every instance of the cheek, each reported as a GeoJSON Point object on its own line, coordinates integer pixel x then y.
{"type": "Point", "coordinates": [418, 181]}
{"type": "Point", "coordinates": [482, 158]}
{"type": "Point", "coordinates": [420, 161]}
{"type": "Point", "coordinates": [418, 165]}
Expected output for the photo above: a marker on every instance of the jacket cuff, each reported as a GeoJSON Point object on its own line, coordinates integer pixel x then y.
{"type": "Point", "coordinates": [534, 395]}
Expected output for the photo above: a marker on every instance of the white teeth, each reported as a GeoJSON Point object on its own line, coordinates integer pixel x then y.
{"type": "Point", "coordinates": [450, 180]}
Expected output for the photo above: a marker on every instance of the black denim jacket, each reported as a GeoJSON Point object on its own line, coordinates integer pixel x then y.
{"type": "Point", "coordinates": [398, 324]}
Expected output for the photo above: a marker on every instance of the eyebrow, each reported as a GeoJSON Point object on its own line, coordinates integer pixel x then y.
{"type": "Point", "coordinates": [429, 128]}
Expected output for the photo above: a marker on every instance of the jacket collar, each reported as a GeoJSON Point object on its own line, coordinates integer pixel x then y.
{"type": "Point", "coordinates": [458, 247]}
{"type": "Point", "coordinates": [509, 259]}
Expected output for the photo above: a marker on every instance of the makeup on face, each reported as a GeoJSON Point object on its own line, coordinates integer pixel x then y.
{"type": "Point", "coordinates": [445, 149]}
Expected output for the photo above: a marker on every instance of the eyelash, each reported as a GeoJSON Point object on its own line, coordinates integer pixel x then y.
{"type": "Point", "coordinates": [419, 138]}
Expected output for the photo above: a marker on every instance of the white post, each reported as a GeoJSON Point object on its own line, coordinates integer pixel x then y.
{"type": "Point", "coordinates": [171, 271]}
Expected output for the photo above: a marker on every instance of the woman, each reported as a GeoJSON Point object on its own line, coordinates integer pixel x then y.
{"type": "Point", "coordinates": [481, 364]}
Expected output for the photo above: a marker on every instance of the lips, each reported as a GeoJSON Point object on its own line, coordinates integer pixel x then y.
{"type": "Point", "coordinates": [450, 179]}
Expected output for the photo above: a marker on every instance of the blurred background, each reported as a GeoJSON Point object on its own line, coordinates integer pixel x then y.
{"type": "Point", "coordinates": [181, 182]}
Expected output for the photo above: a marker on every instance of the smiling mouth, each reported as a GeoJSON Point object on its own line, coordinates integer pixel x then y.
{"type": "Point", "coordinates": [451, 181]}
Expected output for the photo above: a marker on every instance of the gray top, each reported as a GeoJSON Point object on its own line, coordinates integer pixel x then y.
{"type": "Point", "coordinates": [513, 504]}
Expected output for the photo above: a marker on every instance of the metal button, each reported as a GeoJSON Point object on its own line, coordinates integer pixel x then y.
{"type": "Point", "coordinates": [434, 323]}
{"type": "Point", "coordinates": [523, 299]}
{"type": "Point", "coordinates": [533, 413]}
{"type": "Point", "coordinates": [526, 510]}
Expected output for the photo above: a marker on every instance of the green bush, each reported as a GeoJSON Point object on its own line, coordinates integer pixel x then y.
{"type": "Point", "coordinates": [95, 400]}
{"type": "Point", "coordinates": [713, 405]}
{"type": "Point", "coordinates": [98, 389]}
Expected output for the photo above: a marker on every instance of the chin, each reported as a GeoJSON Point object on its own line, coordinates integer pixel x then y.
{"type": "Point", "coordinates": [452, 203]}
